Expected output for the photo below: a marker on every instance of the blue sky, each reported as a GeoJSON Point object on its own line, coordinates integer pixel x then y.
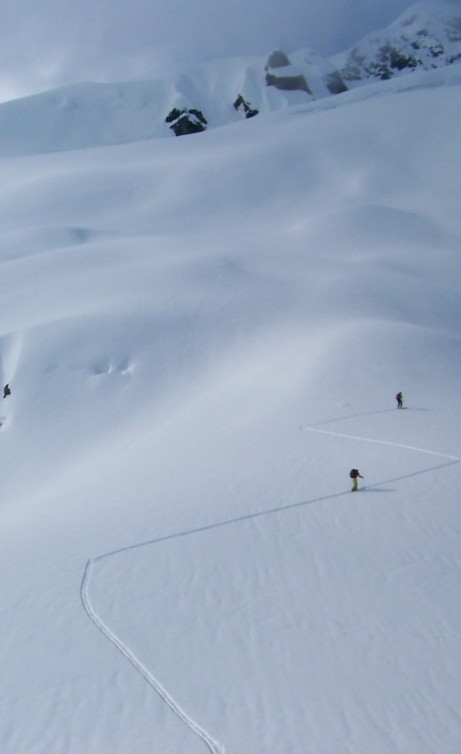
{"type": "Point", "coordinates": [56, 42]}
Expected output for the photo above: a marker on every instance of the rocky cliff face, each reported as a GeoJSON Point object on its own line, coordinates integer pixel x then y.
{"type": "Point", "coordinates": [427, 35]}
{"type": "Point", "coordinates": [283, 75]}
{"type": "Point", "coordinates": [305, 71]}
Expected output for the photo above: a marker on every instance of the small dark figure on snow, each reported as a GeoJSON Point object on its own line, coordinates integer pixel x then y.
{"type": "Point", "coordinates": [355, 475]}
{"type": "Point", "coordinates": [6, 390]}
{"type": "Point", "coordinates": [399, 399]}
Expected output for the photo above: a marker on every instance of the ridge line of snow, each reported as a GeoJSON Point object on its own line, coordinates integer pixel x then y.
{"type": "Point", "coordinates": [213, 746]}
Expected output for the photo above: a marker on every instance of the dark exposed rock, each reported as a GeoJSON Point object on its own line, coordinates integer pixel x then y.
{"type": "Point", "coordinates": [249, 111]}
{"type": "Point", "coordinates": [288, 83]}
{"type": "Point", "coordinates": [173, 115]}
{"type": "Point", "coordinates": [281, 74]}
{"type": "Point", "coordinates": [278, 59]}
{"type": "Point", "coordinates": [185, 122]}
{"type": "Point", "coordinates": [334, 83]}
{"type": "Point", "coordinates": [322, 77]}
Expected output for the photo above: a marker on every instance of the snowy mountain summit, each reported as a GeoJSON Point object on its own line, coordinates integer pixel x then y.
{"type": "Point", "coordinates": [426, 36]}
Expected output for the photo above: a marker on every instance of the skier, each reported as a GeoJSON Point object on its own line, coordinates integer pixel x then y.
{"type": "Point", "coordinates": [399, 399]}
{"type": "Point", "coordinates": [354, 475]}
{"type": "Point", "coordinates": [6, 390]}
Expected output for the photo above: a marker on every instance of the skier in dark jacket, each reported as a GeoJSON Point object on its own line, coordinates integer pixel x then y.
{"type": "Point", "coordinates": [399, 399]}
{"type": "Point", "coordinates": [6, 390]}
{"type": "Point", "coordinates": [355, 475]}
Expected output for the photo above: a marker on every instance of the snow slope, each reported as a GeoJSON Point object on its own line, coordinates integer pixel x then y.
{"type": "Point", "coordinates": [202, 336]}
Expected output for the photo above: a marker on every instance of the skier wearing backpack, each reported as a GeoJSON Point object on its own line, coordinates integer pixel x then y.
{"type": "Point", "coordinates": [354, 475]}
{"type": "Point", "coordinates": [399, 399]}
{"type": "Point", "coordinates": [6, 391]}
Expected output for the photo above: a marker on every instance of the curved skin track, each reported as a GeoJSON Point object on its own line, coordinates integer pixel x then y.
{"type": "Point", "coordinates": [213, 746]}
{"type": "Point", "coordinates": [383, 442]}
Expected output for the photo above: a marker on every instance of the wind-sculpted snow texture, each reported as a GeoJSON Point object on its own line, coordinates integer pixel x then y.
{"type": "Point", "coordinates": [202, 337]}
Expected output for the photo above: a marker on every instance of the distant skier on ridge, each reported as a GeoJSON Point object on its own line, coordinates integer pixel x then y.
{"type": "Point", "coordinates": [399, 399]}
{"type": "Point", "coordinates": [354, 475]}
{"type": "Point", "coordinates": [6, 390]}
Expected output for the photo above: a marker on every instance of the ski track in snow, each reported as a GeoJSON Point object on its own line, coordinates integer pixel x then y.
{"type": "Point", "coordinates": [383, 442]}
{"type": "Point", "coordinates": [214, 746]}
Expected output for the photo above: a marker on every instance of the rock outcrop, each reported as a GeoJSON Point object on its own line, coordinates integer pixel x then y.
{"type": "Point", "coordinates": [244, 106]}
{"type": "Point", "coordinates": [305, 71]}
{"type": "Point", "coordinates": [185, 122]}
{"type": "Point", "coordinates": [283, 75]}
{"type": "Point", "coordinates": [322, 78]}
{"type": "Point", "coordinates": [426, 36]}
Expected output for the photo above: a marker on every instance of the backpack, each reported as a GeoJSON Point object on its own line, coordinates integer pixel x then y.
{"type": "Point", "coordinates": [354, 473]}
